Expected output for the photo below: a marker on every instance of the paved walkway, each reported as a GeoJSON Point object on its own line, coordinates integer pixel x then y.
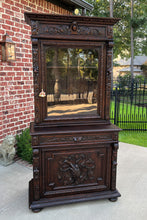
{"type": "Point", "coordinates": [131, 182]}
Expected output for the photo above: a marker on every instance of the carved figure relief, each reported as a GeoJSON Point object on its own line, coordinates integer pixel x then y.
{"type": "Point", "coordinates": [93, 31]}
{"type": "Point", "coordinates": [54, 29]}
{"type": "Point", "coordinates": [75, 169]}
{"type": "Point", "coordinates": [108, 79]}
{"type": "Point", "coordinates": [36, 82]}
{"type": "Point", "coordinates": [36, 173]}
{"type": "Point", "coordinates": [35, 65]}
{"type": "Point", "coordinates": [114, 166]}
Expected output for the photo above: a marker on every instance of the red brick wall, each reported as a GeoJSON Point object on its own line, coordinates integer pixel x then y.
{"type": "Point", "coordinates": [16, 78]}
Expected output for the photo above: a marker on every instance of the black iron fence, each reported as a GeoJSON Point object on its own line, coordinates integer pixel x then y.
{"type": "Point", "coordinates": [129, 105]}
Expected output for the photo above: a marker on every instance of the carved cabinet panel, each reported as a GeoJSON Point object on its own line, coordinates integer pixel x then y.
{"type": "Point", "coordinates": [75, 170]}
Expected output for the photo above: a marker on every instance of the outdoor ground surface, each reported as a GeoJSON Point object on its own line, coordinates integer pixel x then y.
{"type": "Point", "coordinates": [132, 137]}
{"type": "Point", "coordinates": [131, 183]}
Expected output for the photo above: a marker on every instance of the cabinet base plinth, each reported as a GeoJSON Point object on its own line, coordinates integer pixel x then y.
{"type": "Point", "coordinates": [36, 206]}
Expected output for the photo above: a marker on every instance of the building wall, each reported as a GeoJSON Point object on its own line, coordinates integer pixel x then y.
{"type": "Point", "coordinates": [118, 70]}
{"type": "Point", "coordinates": [116, 73]}
{"type": "Point", "coordinates": [16, 78]}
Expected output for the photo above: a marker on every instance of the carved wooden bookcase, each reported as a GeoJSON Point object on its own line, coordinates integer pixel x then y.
{"type": "Point", "coordinates": [74, 144]}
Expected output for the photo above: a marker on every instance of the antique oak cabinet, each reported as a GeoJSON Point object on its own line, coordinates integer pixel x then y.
{"type": "Point", "coordinates": [74, 144]}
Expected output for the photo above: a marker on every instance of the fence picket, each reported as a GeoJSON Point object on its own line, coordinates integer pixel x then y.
{"type": "Point", "coordinates": [129, 109]}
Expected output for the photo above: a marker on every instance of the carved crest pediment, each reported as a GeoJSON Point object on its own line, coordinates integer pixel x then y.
{"type": "Point", "coordinates": [67, 29]}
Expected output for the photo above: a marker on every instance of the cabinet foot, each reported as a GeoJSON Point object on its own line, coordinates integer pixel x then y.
{"type": "Point", "coordinates": [113, 199]}
{"type": "Point", "coordinates": [36, 210]}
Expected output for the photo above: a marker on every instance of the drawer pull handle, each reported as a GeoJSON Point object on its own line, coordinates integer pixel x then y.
{"type": "Point", "coordinates": [76, 139]}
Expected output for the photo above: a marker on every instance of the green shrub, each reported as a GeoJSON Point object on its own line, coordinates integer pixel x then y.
{"type": "Point", "coordinates": [139, 79]}
{"type": "Point", "coordinates": [125, 80]}
{"type": "Point", "coordinates": [24, 149]}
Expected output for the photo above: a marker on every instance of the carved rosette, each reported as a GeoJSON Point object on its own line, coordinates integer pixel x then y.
{"type": "Point", "coordinates": [108, 77]}
{"type": "Point", "coordinates": [36, 174]}
{"type": "Point", "coordinates": [76, 169]}
{"type": "Point", "coordinates": [74, 27]}
{"type": "Point", "coordinates": [36, 82]}
{"type": "Point", "coordinates": [114, 166]}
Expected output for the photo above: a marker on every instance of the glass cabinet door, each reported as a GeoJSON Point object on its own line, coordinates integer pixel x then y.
{"type": "Point", "coordinates": [71, 81]}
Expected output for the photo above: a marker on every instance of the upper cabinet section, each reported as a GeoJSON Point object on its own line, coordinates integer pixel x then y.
{"type": "Point", "coordinates": [69, 27]}
{"type": "Point", "coordinates": [72, 65]}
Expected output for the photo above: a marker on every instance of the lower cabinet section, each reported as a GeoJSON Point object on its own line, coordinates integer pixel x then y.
{"type": "Point", "coordinates": [75, 170]}
{"type": "Point", "coordinates": [67, 173]}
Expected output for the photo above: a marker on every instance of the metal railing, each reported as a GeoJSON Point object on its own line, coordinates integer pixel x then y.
{"type": "Point", "coordinates": [129, 106]}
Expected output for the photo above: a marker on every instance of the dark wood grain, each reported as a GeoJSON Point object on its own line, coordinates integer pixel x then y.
{"type": "Point", "coordinates": [74, 158]}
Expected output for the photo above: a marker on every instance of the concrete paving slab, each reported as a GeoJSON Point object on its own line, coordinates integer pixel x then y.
{"type": "Point", "coordinates": [131, 182]}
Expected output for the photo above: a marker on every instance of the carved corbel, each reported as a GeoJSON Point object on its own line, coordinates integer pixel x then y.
{"type": "Point", "coordinates": [115, 136]}
{"type": "Point", "coordinates": [35, 27]}
{"type": "Point", "coordinates": [110, 32]}
{"type": "Point", "coordinates": [35, 140]}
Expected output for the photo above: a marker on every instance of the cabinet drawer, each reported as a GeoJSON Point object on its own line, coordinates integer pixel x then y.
{"type": "Point", "coordinates": [75, 170]}
{"type": "Point", "coordinates": [75, 138]}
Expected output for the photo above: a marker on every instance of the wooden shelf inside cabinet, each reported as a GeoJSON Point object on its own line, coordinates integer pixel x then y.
{"type": "Point", "coordinates": [74, 144]}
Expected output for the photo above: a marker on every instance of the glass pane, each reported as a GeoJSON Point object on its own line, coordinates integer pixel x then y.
{"type": "Point", "coordinates": [72, 76]}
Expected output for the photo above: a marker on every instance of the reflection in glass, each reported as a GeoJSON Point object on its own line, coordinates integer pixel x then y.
{"type": "Point", "coordinates": [72, 76]}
